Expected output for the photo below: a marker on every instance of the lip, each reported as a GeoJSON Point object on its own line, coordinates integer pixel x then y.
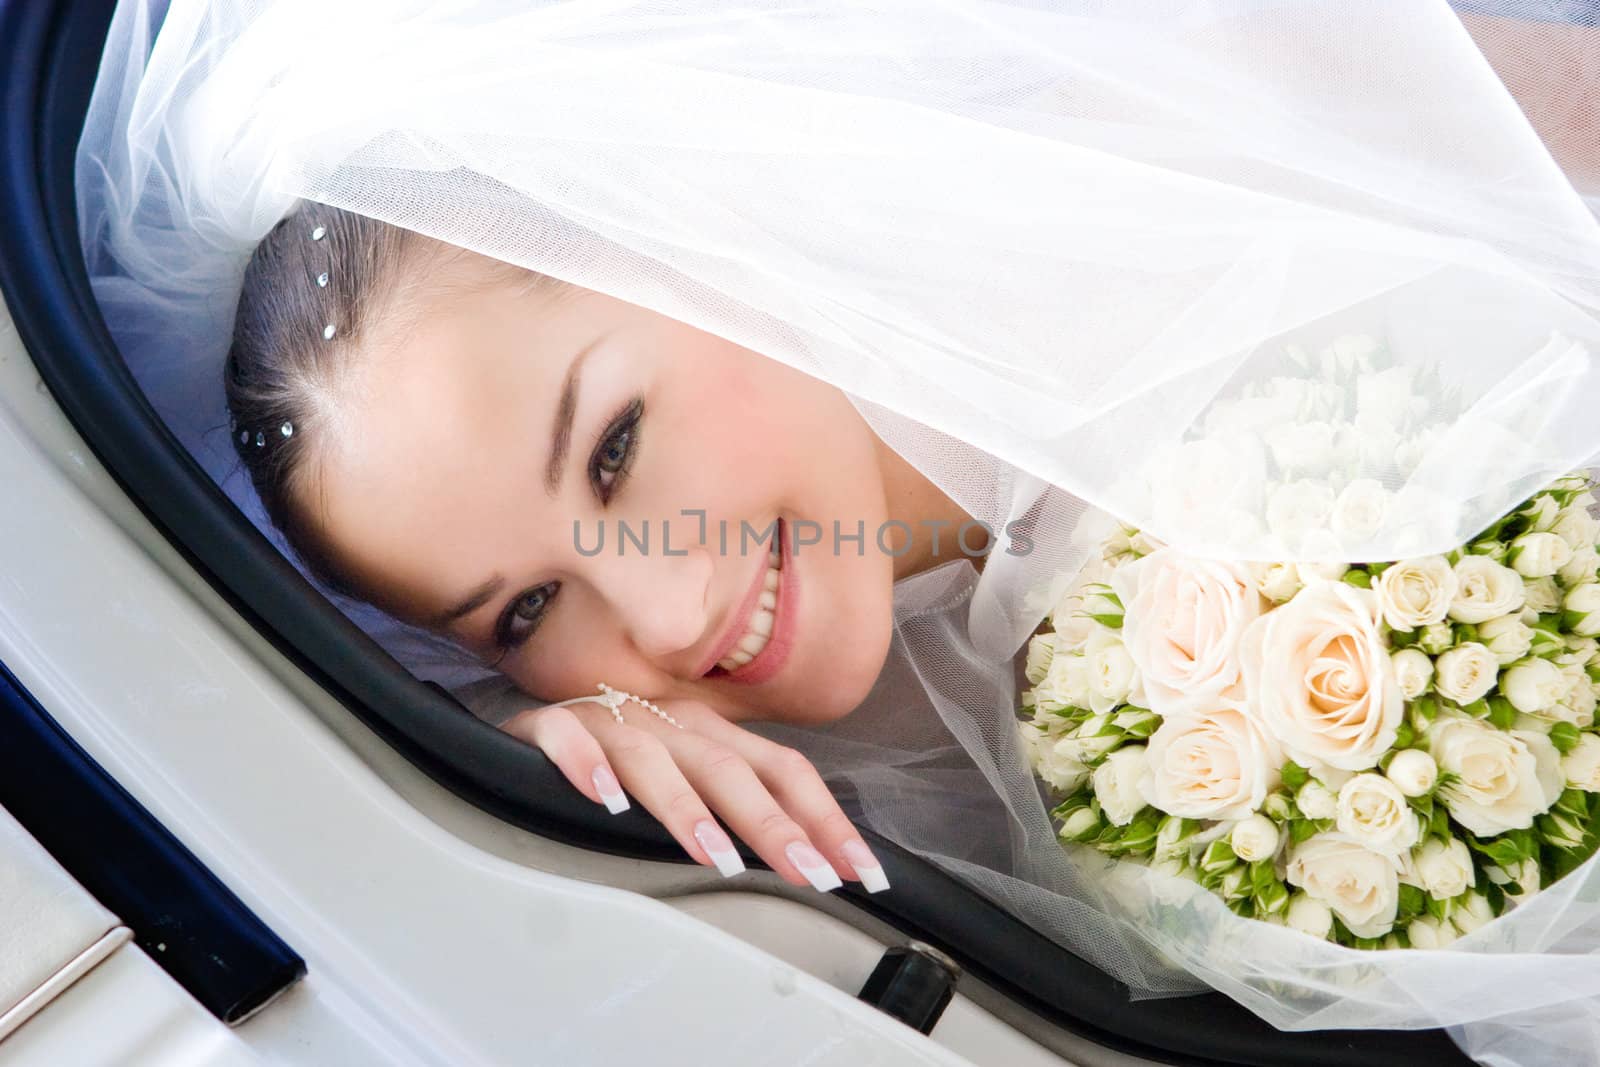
{"type": "Point", "coordinates": [776, 651]}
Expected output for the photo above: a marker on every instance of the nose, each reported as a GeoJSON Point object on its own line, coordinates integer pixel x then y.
{"type": "Point", "coordinates": [661, 601]}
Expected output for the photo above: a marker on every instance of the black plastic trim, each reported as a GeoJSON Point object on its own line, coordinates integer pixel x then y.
{"type": "Point", "coordinates": [180, 914]}
{"type": "Point", "coordinates": [49, 51]}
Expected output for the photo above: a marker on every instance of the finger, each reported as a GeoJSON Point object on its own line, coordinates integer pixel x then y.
{"type": "Point", "coordinates": [797, 787]}
{"type": "Point", "coordinates": [559, 734]}
{"type": "Point", "coordinates": [732, 788]}
{"type": "Point", "coordinates": [647, 769]}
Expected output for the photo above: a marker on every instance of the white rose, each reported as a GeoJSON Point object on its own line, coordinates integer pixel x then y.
{"type": "Point", "coordinates": [1413, 672]}
{"type": "Point", "coordinates": [1320, 678]}
{"type": "Point", "coordinates": [1582, 567]}
{"type": "Point", "coordinates": [1485, 589]}
{"type": "Point", "coordinates": [1416, 592]}
{"type": "Point", "coordinates": [1110, 670]}
{"type": "Point", "coordinates": [1582, 609]}
{"type": "Point", "coordinates": [1508, 637]}
{"type": "Point", "coordinates": [1119, 784]}
{"type": "Point", "coordinates": [1254, 838]}
{"type": "Point", "coordinates": [1359, 511]}
{"type": "Point", "coordinates": [1471, 912]}
{"type": "Point", "coordinates": [1542, 513]}
{"type": "Point", "coordinates": [1413, 772]}
{"type": "Point", "coordinates": [1310, 572]}
{"type": "Point", "coordinates": [1361, 886]}
{"type": "Point", "coordinates": [1183, 619]}
{"type": "Point", "coordinates": [1539, 555]}
{"type": "Point", "coordinates": [1445, 869]}
{"type": "Point", "coordinates": [1069, 619]}
{"type": "Point", "coordinates": [1542, 595]}
{"type": "Point", "coordinates": [1041, 648]}
{"type": "Point", "coordinates": [1576, 527]}
{"type": "Point", "coordinates": [1316, 801]}
{"type": "Point", "coordinates": [1426, 932]}
{"type": "Point", "coordinates": [1374, 813]}
{"type": "Point", "coordinates": [1466, 672]}
{"type": "Point", "coordinates": [1060, 764]}
{"type": "Point", "coordinates": [1581, 766]}
{"type": "Point", "coordinates": [1348, 354]}
{"type": "Point", "coordinates": [1078, 824]}
{"type": "Point", "coordinates": [1534, 685]}
{"type": "Point", "coordinates": [1300, 447]}
{"type": "Point", "coordinates": [1065, 683]}
{"type": "Point", "coordinates": [1298, 509]}
{"type": "Point", "coordinates": [1577, 703]}
{"type": "Point", "coordinates": [1215, 765]}
{"type": "Point", "coordinates": [1502, 780]}
{"type": "Point", "coordinates": [1276, 581]}
{"type": "Point", "coordinates": [1436, 638]}
{"type": "Point", "coordinates": [1309, 915]}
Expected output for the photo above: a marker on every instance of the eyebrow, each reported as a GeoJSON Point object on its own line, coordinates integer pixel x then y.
{"type": "Point", "coordinates": [566, 408]}
{"type": "Point", "coordinates": [474, 600]}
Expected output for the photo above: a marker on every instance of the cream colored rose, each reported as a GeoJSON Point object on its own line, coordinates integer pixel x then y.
{"type": "Point", "coordinates": [1065, 683]}
{"type": "Point", "coordinates": [1576, 527]}
{"type": "Point", "coordinates": [1581, 607]}
{"type": "Point", "coordinates": [1413, 772]}
{"type": "Point", "coordinates": [1502, 780]}
{"type": "Point", "coordinates": [1215, 765]}
{"type": "Point", "coordinates": [1533, 686]}
{"type": "Point", "coordinates": [1254, 838]}
{"type": "Point", "coordinates": [1582, 567]}
{"type": "Point", "coordinates": [1182, 624]}
{"type": "Point", "coordinates": [1471, 912]}
{"type": "Point", "coordinates": [1119, 784]}
{"type": "Point", "coordinates": [1374, 813]}
{"type": "Point", "coordinates": [1321, 680]}
{"type": "Point", "coordinates": [1299, 509]}
{"type": "Point", "coordinates": [1070, 618]}
{"type": "Point", "coordinates": [1359, 511]}
{"type": "Point", "coordinates": [1538, 555]}
{"type": "Point", "coordinates": [1060, 764]}
{"type": "Point", "coordinates": [1542, 595]}
{"type": "Point", "coordinates": [1444, 868]}
{"type": "Point", "coordinates": [1416, 592]}
{"type": "Point", "coordinates": [1276, 581]}
{"type": "Point", "coordinates": [1581, 766]}
{"type": "Point", "coordinates": [1426, 932]}
{"type": "Point", "coordinates": [1317, 801]}
{"type": "Point", "coordinates": [1359, 885]}
{"type": "Point", "coordinates": [1508, 637]}
{"type": "Point", "coordinates": [1466, 672]}
{"type": "Point", "coordinates": [1309, 915]}
{"type": "Point", "coordinates": [1485, 590]}
{"type": "Point", "coordinates": [1413, 672]}
{"type": "Point", "coordinates": [1041, 648]}
{"type": "Point", "coordinates": [1577, 703]}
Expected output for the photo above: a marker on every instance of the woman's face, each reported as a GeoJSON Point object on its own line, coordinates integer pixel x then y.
{"type": "Point", "coordinates": [485, 449]}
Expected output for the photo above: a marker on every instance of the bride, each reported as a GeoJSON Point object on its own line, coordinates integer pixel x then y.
{"type": "Point", "coordinates": [510, 312]}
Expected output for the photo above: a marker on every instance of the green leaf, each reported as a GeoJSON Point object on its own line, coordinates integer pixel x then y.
{"type": "Point", "coordinates": [1405, 735]}
{"type": "Point", "coordinates": [1412, 902]}
{"type": "Point", "coordinates": [1502, 713]}
{"type": "Point", "coordinates": [1113, 621]}
{"type": "Point", "coordinates": [1565, 737]}
{"type": "Point", "coordinates": [1357, 577]}
{"type": "Point", "coordinates": [1295, 776]}
{"type": "Point", "coordinates": [1261, 876]}
{"type": "Point", "coordinates": [1301, 829]}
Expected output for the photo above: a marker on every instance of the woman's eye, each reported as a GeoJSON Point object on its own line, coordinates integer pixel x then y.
{"type": "Point", "coordinates": [616, 452]}
{"type": "Point", "coordinates": [523, 615]}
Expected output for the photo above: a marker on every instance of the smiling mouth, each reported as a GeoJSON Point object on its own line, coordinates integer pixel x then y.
{"type": "Point", "coordinates": [754, 646]}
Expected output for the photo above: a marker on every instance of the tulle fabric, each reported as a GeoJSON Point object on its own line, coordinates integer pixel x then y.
{"type": "Point", "coordinates": [1058, 253]}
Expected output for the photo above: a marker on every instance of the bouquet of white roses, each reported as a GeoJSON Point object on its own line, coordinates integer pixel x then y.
{"type": "Point", "coordinates": [1384, 755]}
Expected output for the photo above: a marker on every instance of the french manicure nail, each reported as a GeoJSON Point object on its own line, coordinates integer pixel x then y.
{"type": "Point", "coordinates": [866, 865]}
{"type": "Point", "coordinates": [811, 864]}
{"type": "Point", "coordinates": [610, 790]}
{"type": "Point", "coordinates": [719, 848]}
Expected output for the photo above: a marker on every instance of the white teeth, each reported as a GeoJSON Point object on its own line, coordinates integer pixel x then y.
{"type": "Point", "coordinates": [761, 623]}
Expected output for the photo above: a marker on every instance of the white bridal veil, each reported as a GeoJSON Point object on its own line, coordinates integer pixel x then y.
{"type": "Point", "coordinates": [1270, 278]}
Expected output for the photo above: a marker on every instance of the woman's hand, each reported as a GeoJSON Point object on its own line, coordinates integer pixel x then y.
{"type": "Point", "coordinates": [768, 794]}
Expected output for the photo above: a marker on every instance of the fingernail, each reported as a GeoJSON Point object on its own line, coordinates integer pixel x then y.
{"type": "Point", "coordinates": [866, 865]}
{"type": "Point", "coordinates": [719, 848]}
{"type": "Point", "coordinates": [610, 790]}
{"type": "Point", "coordinates": [811, 864]}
